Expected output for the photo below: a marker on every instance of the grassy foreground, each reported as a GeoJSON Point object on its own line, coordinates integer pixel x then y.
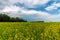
{"type": "Point", "coordinates": [29, 31]}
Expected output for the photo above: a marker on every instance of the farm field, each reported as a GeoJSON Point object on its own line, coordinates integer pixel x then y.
{"type": "Point", "coordinates": [29, 30]}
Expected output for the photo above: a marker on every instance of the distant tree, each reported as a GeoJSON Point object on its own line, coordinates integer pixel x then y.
{"type": "Point", "coordinates": [20, 20]}
{"type": "Point", "coordinates": [37, 21]}
{"type": "Point", "coordinates": [6, 18]}
{"type": "Point", "coordinates": [12, 20]}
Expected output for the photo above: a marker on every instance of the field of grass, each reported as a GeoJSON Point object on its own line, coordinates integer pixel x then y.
{"type": "Point", "coordinates": [29, 31]}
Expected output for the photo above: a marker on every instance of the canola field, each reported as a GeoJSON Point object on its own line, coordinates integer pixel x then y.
{"type": "Point", "coordinates": [29, 31]}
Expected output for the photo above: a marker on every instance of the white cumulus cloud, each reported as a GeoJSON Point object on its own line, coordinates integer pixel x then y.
{"type": "Point", "coordinates": [10, 9]}
{"type": "Point", "coordinates": [54, 6]}
{"type": "Point", "coordinates": [27, 3]}
{"type": "Point", "coordinates": [31, 15]}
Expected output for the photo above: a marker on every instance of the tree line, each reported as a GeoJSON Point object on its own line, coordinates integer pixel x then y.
{"type": "Point", "coordinates": [6, 18]}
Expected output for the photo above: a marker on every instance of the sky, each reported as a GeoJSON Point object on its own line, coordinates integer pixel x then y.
{"type": "Point", "coordinates": [32, 10]}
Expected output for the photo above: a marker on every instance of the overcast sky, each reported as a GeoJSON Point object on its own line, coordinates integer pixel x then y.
{"type": "Point", "coordinates": [32, 10]}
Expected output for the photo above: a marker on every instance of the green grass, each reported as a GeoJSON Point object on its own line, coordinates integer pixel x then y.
{"type": "Point", "coordinates": [29, 31]}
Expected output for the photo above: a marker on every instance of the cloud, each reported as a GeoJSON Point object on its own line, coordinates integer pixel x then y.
{"type": "Point", "coordinates": [30, 15]}
{"type": "Point", "coordinates": [54, 6]}
{"type": "Point", "coordinates": [27, 3]}
{"type": "Point", "coordinates": [8, 7]}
